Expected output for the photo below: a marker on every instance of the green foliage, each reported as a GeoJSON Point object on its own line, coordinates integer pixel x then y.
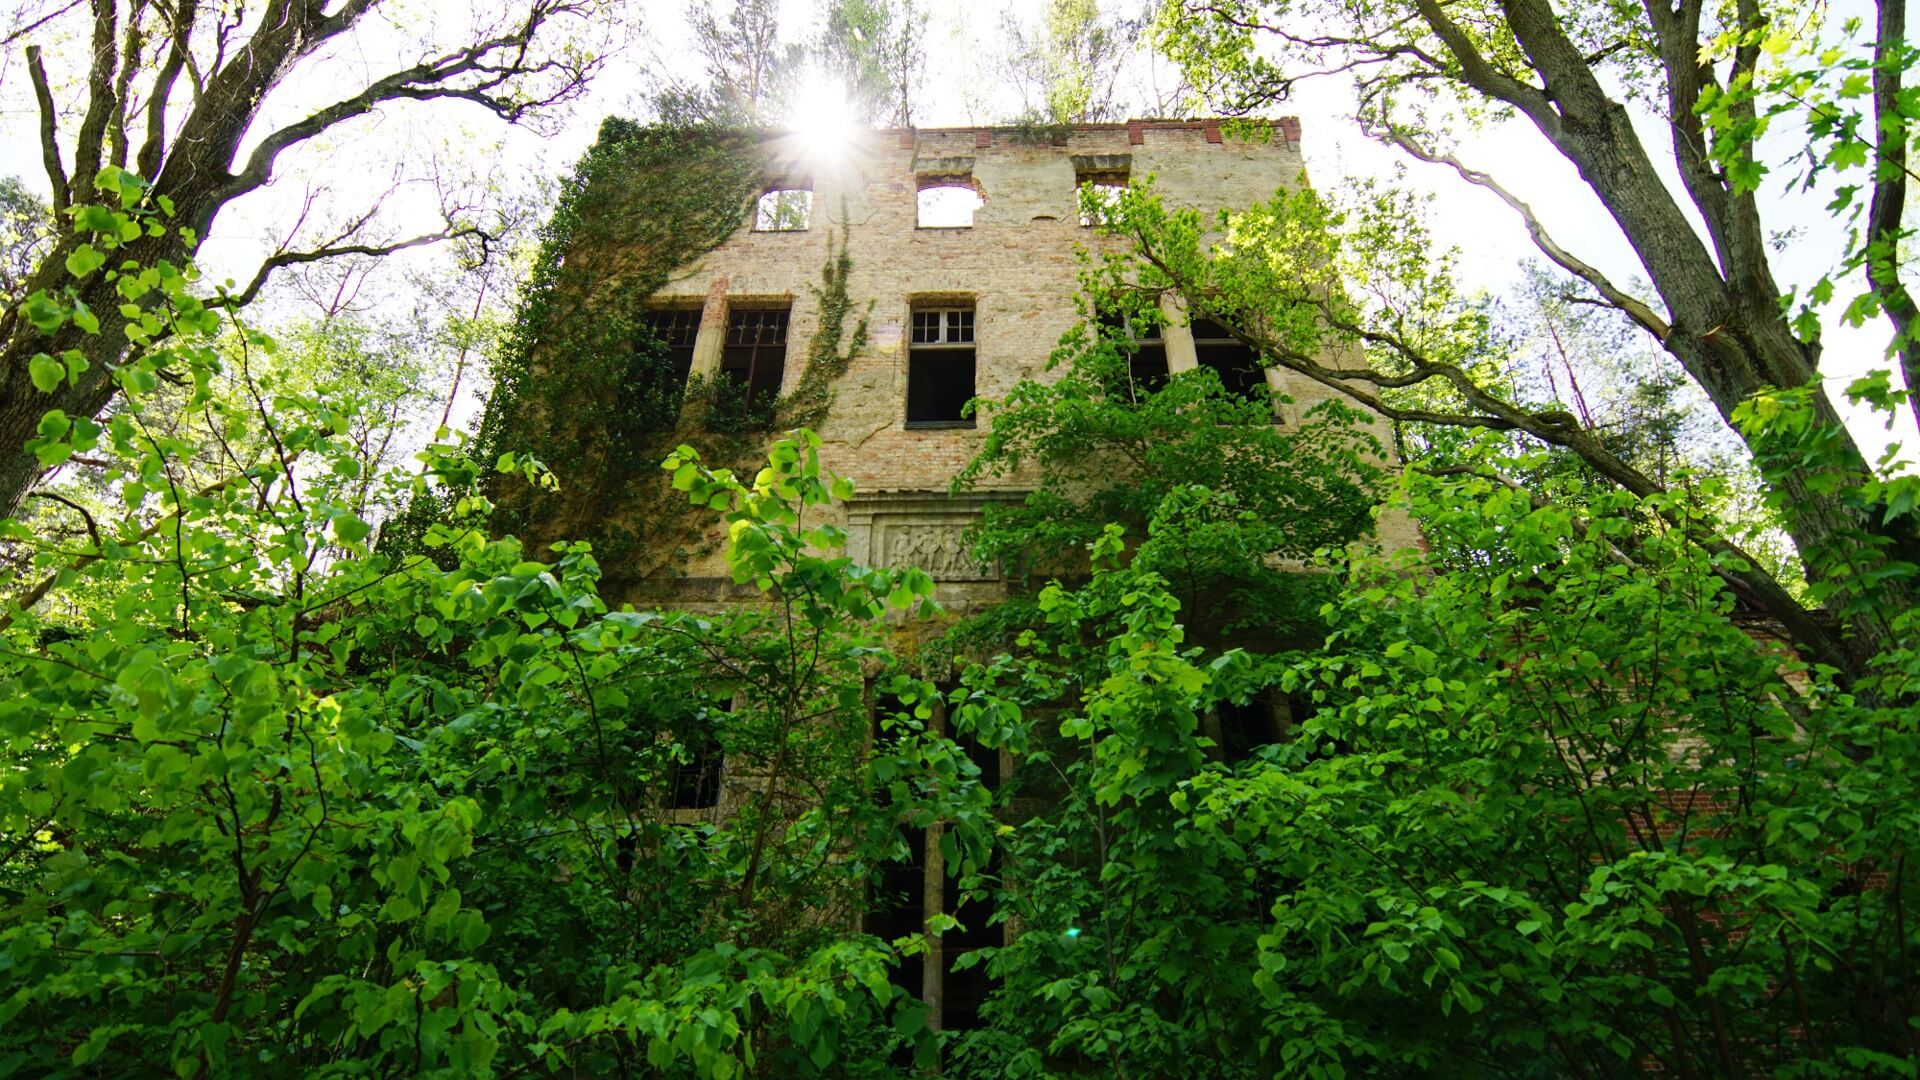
{"type": "Point", "coordinates": [585, 384]}
{"type": "Point", "coordinates": [1552, 813]}
{"type": "Point", "coordinates": [277, 802]}
{"type": "Point", "coordinates": [582, 382]}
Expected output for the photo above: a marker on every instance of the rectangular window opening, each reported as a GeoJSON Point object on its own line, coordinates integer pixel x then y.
{"type": "Point", "coordinates": [752, 365]}
{"type": "Point", "coordinates": [1096, 209]}
{"type": "Point", "coordinates": [947, 202]}
{"type": "Point", "coordinates": [694, 783]}
{"type": "Point", "coordinates": [784, 210]}
{"type": "Point", "coordinates": [678, 329]}
{"type": "Point", "coordinates": [1239, 369]}
{"type": "Point", "coordinates": [1245, 728]}
{"type": "Point", "coordinates": [964, 990]}
{"type": "Point", "coordinates": [940, 368]}
{"type": "Point", "coordinates": [1146, 355]}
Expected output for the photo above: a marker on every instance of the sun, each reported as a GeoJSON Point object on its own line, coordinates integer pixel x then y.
{"type": "Point", "coordinates": [823, 117]}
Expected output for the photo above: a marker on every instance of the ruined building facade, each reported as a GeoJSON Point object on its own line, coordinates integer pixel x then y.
{"type": "Point", "coordinates": [964, 241]}
{"type": "Point", "coordinates": [966, 244]}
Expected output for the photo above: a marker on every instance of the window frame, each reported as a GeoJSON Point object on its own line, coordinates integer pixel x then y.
{"type": "Point", "coordinates": [761, 352]}
{"type": "Point", "coordinates": [954, 319]}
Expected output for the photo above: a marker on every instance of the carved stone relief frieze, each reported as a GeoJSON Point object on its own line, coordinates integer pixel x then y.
{"type": "Point", "coordinates": [897, 530]}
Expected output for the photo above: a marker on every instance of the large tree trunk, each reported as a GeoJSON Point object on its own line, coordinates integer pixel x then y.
{"type": "Point", "coordinates": [1728, 326]}
{"type": "Point", "coordinates": [199, 167]}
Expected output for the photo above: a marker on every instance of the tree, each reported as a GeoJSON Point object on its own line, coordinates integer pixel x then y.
{"type": "Point", "coordinates": [26, 231]}
{"type": "Point", "coordinates": [277, 799]}
{"type": "Point", "coordinates": [175, 95]}
{"type": "Point", "coordinates": [1068, 72]}
{"type": "Point", "coordinates": [877, 50]}
{"type": "Point", "coordinates": [1575, 75]}
{"type": "Point", "coordinates": [1110, 445]}
{"type": "Point", "coordinates": [750, 69]}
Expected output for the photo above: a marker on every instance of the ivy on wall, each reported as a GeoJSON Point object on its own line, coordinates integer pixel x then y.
{"type": "Point", "coordinates": [583, 383]}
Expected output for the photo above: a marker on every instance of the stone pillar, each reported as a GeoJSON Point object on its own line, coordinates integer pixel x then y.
{"type": "Point", "coordinates": [712, 339]}
{"type": "Point", "coordinates": [1178, 336]}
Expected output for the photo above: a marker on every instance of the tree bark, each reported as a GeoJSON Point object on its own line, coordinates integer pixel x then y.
{"type": "Point", "coordinates": [197, 171]}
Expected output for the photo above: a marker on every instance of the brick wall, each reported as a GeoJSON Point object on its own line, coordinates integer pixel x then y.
{"type": "Point", "coordinates": [1016, 265]}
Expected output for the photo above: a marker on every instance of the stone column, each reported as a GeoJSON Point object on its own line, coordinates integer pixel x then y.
{"type": "Point", "coordinates": [1178, 336]}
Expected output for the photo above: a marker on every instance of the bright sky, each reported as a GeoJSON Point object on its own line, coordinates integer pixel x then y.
{"type": "Point", "coordinates": [470, 151]}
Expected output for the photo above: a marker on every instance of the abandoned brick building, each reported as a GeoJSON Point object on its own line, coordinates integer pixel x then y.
{"type": "Point", "coordinates": [964, 242]}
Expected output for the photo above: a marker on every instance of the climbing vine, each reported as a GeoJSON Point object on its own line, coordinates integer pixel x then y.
{"type": "Point", "coordinates": [584, 384]}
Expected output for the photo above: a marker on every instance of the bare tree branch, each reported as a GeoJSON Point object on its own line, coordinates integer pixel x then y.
{"type": "Point", "coordinates": [39, 22]}
{"type": "Point", "coordinates": [180, 31]}
{"type": "Point", "coordinates": [49, 130]}
{"type": "Point", "coordinates": [1645, 316]}
{"type": "Point", "coordinates": [102, 105]}
{"type": "Point", "coordinates": [427, 81]}
{"type": "Point", "coordinates": [295, 258]}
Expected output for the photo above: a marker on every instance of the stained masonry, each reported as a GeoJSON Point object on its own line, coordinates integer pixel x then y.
{"type": "Point", "coordinates": [1011, 270]}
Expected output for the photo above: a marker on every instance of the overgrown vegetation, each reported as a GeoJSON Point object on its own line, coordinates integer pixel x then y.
{"type": "Point", "coordinates": [585, 385]}
{"type": "Point", "coordinates": [1570, 787]}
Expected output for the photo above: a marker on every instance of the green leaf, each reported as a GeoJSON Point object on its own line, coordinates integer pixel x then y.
{"type": "Point", "coordinates": [84, 260]}
{"type": "Point", "coordinates": [46, 372]}
{"type": "Point", "coordinates": [350, 529]}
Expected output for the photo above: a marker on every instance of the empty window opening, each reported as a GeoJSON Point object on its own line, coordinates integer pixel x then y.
{"type": "Point", "coordinates": [1234, 362]}
{"type": "Point", "coordinates": [1146, 351]}
{"type": "Point", "coordinates": [752, 365]}
{"type": "Point", "coordinates": [1244, 728]}
{"type": "Point", "coordinates": [678, 329]}
{"type": "Point", "coordinates": [900, 908]}
{"type": "Point", "coordinates": [1099, 194]}
{"type": "Point", "coordinates": [965, 989]}
{"type": "Point", "coordinates": [784, 210]}
{"type": "Point", "coordinates": [694, 783]}
{"type": "Point", "coordinates": [948, 203]}
{"type": "Point", "coordinates": [940, 368]}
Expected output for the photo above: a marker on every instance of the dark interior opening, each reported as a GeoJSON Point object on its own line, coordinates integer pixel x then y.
{"type": "Point", "coordinates": [965, 990]}
{"type": "Point", "coordinates": [1146, 356]}
{"type": "Point", "coordinates": [939, 385]}
{"type": "Point", "coordinates": [1235, 363]}
{"type": "Point", "coordinates": [755, 357]}
{"type": "Point", "coordinates": [940, 368]}
{"type": "Point", "coordinates": [678, 328]}
{"type": "Point", "coordinates": [1244, 728]}
{"type": "Point", "coordinates": [695, 782]}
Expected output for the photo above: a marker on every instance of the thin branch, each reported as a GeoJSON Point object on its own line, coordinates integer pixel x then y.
{"type": "Point", "coordinates": [49, 130]}
{"type": "Point", "coordinates": [427, 81]}
{"type": "Point", "coordinates": [295, 258]}
{"type": "Point", "coordinates": [39, 22]}
{"type": "Point", "coordinates": [93, 529]}
{"type": "Point", "coordinates": [1645, 316]}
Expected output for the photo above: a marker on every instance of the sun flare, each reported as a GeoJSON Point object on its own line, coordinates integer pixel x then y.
{"type": "Point", "coordinates": [823, 117]}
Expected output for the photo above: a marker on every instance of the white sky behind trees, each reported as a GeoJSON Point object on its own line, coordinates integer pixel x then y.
{"type": "Point", "coordinates": [479, 161]}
